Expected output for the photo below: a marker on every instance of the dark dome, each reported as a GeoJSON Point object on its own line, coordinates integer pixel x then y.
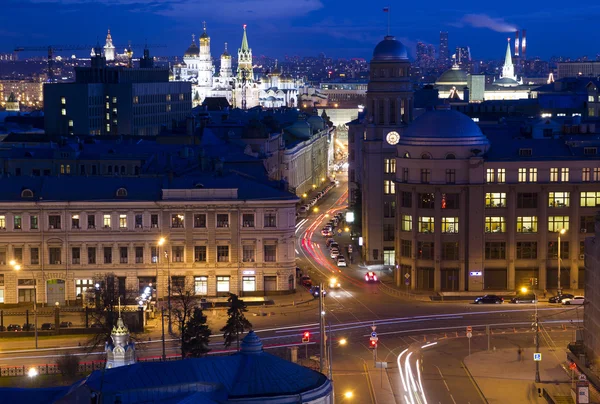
{"type": "Point", "coordinates": [452, 77]}
{"type": "Point", "coordinates": [192, 51]}
{"type": "Point", "coordinates": [389, 50]}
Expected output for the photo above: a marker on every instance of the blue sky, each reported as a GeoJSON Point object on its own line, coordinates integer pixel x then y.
{"type": "Point", "coordinates": [340, 28]}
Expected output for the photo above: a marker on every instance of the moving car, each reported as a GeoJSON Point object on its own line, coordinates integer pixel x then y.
{"type": "Point", "coordinates": [524, 298]}
{"type": "Point", "coordinates": [329, 241]}
{"type": "Point", "coordinates": [489, 299]}
{"type": "Point", "coordinates": [306, 281]}
{"type": "Point", "coordinates": [559, 298]}
{"type": "Point", "coordinates": [370, 277]}
{"type": "Point", "coordinates": [14, 327]}
{"type": "Point", "coordinates": [334, 283]}
{"type": "Point", "coordinates": [315, 290]}
{"type": "Point", "coordinates": [569, 301]}
{"type": "Point", "coordinates": [326, 232]}
{"type": "Point", "coordinates": [47, 327]}
{"type": "Point", "coordinates": [334, 253]}
{"type": "Point", "coordinates": [341, 261]}
{"type": "Point", "coordinates": [334, 245]}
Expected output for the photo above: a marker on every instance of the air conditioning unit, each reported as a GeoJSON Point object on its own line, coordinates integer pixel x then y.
{"type": "Point", "coordinates": [155, 225]}
{"type": "Point", "coordinates": [584, 230]}
{"type": "Point", "coordinates": [581, 256]}
{"type": "Point", "coordinates": [52, 226]}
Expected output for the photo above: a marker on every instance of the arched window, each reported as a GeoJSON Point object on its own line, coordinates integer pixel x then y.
{"type": "Point", "coordinates": [406, 155]}
{"type": "Point", "coordinates": [121, 192]}
{"type": "Point", "coordinates": [27, 193]}
{"type": "Point", "coordinates": [116, 170]}
{"type": "Point", "coordinates": [426, 156]}
{"type": "Point", "coordinates": [136, 170]}
{"type": "Point", "coordinates": [450, 156]}
{"type": "Point", "coordinates": [109, 169]}
{"type": "Point", "coordinates": [122, 170]}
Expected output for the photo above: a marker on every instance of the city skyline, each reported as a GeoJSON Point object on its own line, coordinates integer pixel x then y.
{"type": "Point", "coordinates": [304, 28]}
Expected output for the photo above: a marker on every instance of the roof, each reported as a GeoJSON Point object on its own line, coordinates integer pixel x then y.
{"type": "Point", "coordinates": [453, 76]}
{"type": "Point", "coordinates": [390, 49]}
{"type": "Point", "coordinates": [192, 51]}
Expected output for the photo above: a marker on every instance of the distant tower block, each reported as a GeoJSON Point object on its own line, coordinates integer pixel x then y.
{"type": "Point", "coordinates": [524, 46]}
{"type": "Point", "coordinates": [517, 44]}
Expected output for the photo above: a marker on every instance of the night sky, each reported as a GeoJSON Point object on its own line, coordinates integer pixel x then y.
{"type": "Point", "coordinates": [339, 28]}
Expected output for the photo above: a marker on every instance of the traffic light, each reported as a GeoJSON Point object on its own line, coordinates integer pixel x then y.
{"type": "Point", "coordinates": [372, 344]}
{"type": "Point", "coordinates": [306, 337]}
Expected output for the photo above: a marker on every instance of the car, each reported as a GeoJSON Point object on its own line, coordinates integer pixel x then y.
{"type": "Point", "coordinates": [334, 245]}
{"type": "Point", "coordinates": [524, 298]}
{"type": "Point", "coordinates": [489, 299]}
{"type": "Point", "coordinates": [14, 327]}
{"type": "Point", "coordinates": [370, 277]}
{"type": "Point", "coordinates": [47, 327]}
{"type": "Point", "coordinates": [574, 300]}
{"type": "Point", "coordinates": [28, 327]}
{"type": "Point", "coordinates": [341, 261]}
{"type": "Point", "coordinates": [329, 241]}
{"type": "Point", "coordinates": [325, 232]}
{"type": "Point", "coordinates": [306, 281]}
{"type": "Point", "coordinates": [334, 253]}
{"type": "Point", "coordinates": [334, 283]}
{"type": "Point", "coordinates": [315, 291]}
{"type": "Point", "coordinates": [303, 209]}
{"type": "Point", "coordinates": [559, 298]}
{"type": "Point", "coordinates": [66, 324]}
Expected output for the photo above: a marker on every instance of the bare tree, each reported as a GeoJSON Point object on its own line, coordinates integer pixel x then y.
{"type": "Point", "coordinates": [184, 304]}
{"type": "Point", "coordinates": [68, 365]}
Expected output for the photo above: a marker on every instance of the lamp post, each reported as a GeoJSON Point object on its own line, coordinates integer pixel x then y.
{"type": "Point", "coordinates": [169, 291]}
{"type": "Point", "coordinates": [537, 334]}
{"type": "Point", "coordinates": [17, 267]}
{"type": "Point", "coordinates": [562, 231]}
{"type": "Point", "coordinates": [159, 244]}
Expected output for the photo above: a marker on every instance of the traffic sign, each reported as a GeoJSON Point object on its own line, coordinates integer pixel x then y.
{"type": "Point", "coordinates": [374, 339]}
{"type": "Point", "coordinates": [382, 365]}
{"type": "Point", "coordinates": [537, 356]}
{"type": "Point", "coordinates": [407, 281]}
{"type": "Point", "coordinates": [373, 334]}
{"type": "Point", "coordinates": [582, 377]}
{"type": "Point", "coordinates": [469, 334]}
{"type": "Point", "coordinates": [469, 328]}
{"type": "Point", "coordinates": [407, 275]}
{"type": "Point", "coordinates": [573, 366]}
{"type": "Point", "coordinates": [373, 327]}
{"type": "Point", "coordinates": [339, 231]}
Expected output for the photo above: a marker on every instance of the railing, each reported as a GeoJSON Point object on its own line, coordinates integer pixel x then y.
{"type": "Point", "coordinates": [400, 293]}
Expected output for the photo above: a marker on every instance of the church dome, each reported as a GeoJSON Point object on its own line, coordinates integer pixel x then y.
{"type": "Point", "coordinates": [443, 127]}
{"type": "Point", "coordinates": [192, 51]}
{"type": "Point", "coordinates": [390, 49]}
{"type": "Point", "coordinates": [454, 76]}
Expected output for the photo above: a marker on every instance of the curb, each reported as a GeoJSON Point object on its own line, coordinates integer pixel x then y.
{"type": "Point", "coordinates": [472, 379]}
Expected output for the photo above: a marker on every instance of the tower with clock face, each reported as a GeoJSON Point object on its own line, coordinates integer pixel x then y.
{"type": "Point", "coordinates": [372, 146]}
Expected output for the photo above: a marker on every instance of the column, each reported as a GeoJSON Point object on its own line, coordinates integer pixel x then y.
{"type": "Point", "coordinates": [543, 237]}
{"type": "Point", "coordinates": [511, 228]}
{"type": "Point", "coordinates": [437, 241]}
{"type": "Point", "coordinates": [415, 226]}
{"type": "Point", "coordinates": [574, 231]}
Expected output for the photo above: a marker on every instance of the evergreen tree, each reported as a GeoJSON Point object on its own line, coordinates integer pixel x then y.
{"type": "Point", "coordinates": [236, 323]}
{"type": "Point", "coordinates": [195, 336]}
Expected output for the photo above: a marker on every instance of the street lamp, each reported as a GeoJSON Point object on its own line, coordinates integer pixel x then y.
{"type": "Point", "coordinates": [562, 231]}
{"type": "Point", "coordinates": [537, 333]}
{"type": "Point", "coordinates": [159, 244]}
{"type": "Point", "coordinates": [17, 267]}
{"type": "Point", "coordinates": [169, 291]}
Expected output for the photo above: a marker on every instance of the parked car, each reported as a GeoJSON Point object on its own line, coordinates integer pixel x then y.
{"type": "Point", "coordinates": [315, 290]}
{"type": "Point", "coordinates": [341, 261]}
{"type": "Point", "coordinates": [334, 253]}
{"type": "Point", "coordinates": [524, 298]}
{"type": "Point", "coordinates": [334, 283]}
{"type": "Point", "coordinates": [329, 241]}
{"type": "Point", "coordinates": [47, 327]}
{"type": "Point", "coordinates": [303, 209]}
{"type": "Point", "coordinates": [66, 324]}
{"type": "Point", "coordinates": [489, 299]}
{"type": "Point", "coordinates": [14, 327]}
{"type": "Point", "coordinates": [569, 301]}
{"type": "Point", "coordinates": [29, 327]}
{"type": "Point", "coordinates": [370, 277]}
{"type": "Point", "coordinates": [306, 281]}
{"type": "Point", "coordinates": [2, 328]}
{"type": "Point", "coordinates": [334, 245]}
{"type": "Point", "coordinates": [559, 298]}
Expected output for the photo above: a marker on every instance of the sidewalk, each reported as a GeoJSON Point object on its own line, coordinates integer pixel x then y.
{"type": "Point", "coordinates": [501, 377]}
{"type": "Point", "coordinates": [380, 385]}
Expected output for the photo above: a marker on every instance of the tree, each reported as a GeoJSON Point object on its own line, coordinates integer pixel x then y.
{"type": "Point", "coordinates": [236, 323]}
{"type": "Point", "coordinates": [68, 365]}
{"type": "Point", "coordinates": [196, 336]}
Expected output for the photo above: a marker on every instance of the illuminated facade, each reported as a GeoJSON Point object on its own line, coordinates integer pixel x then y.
{"type": "Point", "coordinates": [30, 94]}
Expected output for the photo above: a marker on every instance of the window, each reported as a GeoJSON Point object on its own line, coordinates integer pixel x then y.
{"type": "Point", "coordinates": [33, 222]}
{"type": "Point", "coordinates": [389, 187]}
{"type": "Point", "coordinates": [75, 255]}
{"type": "Point", "coordinates": [564, 174]}
{"type": "Point", "coordinates": [558, 199]}
{"type": "Point", "coordinates": [177, 254]}
{"type": "Point", "coordinates": [533, 175]}
{"type": "Point", "coordinates": [2, 222]}
{"type": "Point", "coordinates": [199, 220]}
{"type": "Point", "coordinates": [501, 175]}
{"type": "Point", "coordinates": [495, 250]}
{"type": "Point", "coordinates": [585, 174]}
{"type": "Point", "coordinates": [389, 166]}
{"type": "Point", "coordinates": [139, 221]}
{"type": "Point", "coordinates": [554, 175]}
{"type": "Point", "coordinates": [106, 221]}
{"type": "Point", "coordinates": [450, 176]}
{"type": "Point", "coordinates": [527, 200]}
{"type": "Point", "coordinates": [270, 251]}
{"type": "Point", "coordinates": [405, 175]}
{"type": "Point", "coordinates": [223, 253]}
{"type": "Point", "coordinates": [63, 111]}
{"type": "Point", "coordinates": [270, 220]}
{"type": "Point", "coordinates": [557, 223]}
{"type": "Point", "coordinates": [248, 220]}
{"type": "Point", "coordinates": [527, 224]}
{"type": "Point", "coordinates": [122, 221]}
{"type": "Point", "coordinates": [201, 285]}
{"type": "Point", "coordinates": [82, 285]}
{"type": "Point", "coordinates": [139, 255]}
{"type": "Point", "coordinates": [525, 152]}
{"type": "Point", "coordinates": [91, 253]}
{"type": "Point", "coordinates": [54, 255]}
{"type": "Point", "coordinates": [406, 199]}
{"type": "Point", "coordinates": [177, 220]}
{"type": "Point", "coordinates": [450, 201]}
{"type": "Point", "coordinates": [449, 225]}
{"type": "Point", "coordinates": [425, 224]}
{"type": "Point", "coordinates": [389, 209]}
{"type": "Point", "coordinates": [590, 199]}
{"type": "Point", "coordinates": [154, 257]}
{"type": "Point", "coordinates": [425, 250]}
{"type": "Point", "coordinates": [123, 255]}
{"type": "Point", "coordinates": [495, 200]}
{"type": "Point", "coordinates": [426, 201]}
{"type": "Point", "coordinates": [406, 248]}
{"type": "Point", "coordinates": [425, 175]}
{"type": "Point", "coordinates": [450, 251]}
{"type": "Point", "coordinates": [178, 284]}
{"type": "Point", "coordinates": [222, 220]}
{"type": "Point", "coordinates": [34, 256]}
{"type": "Point", "coordinates": [222, 283]}
{"type": "Point", "coordinates": [75, 221]}
{"type": "Point", "coordinates": [248, 253]}
{"type": "Point", "coordinates": [590, 151]}
{"type": "Point", "coordinates": [596, 176]}
{"type": "Point", "coordinates": [553, 250]}
{"type": "Point", "coordinates": [18, 254]}
{"type": "Point", "coordinates": [388, 232]}
{"type": "Point", "coordinates": [527, 250]}
{"type": "Point", "coordinates": [587, 224]}
{"type": "Point", "coordinates": [495, 224]}
{"type": "Point", "coordinates": [406, 223]}
{"type": "Point", "coordinates": [108, 255]}
{"type": "Point", "coordinates": [489, 176]}
{"type": "Point", "coordinates": [63, 100]}
{"type": "Point", "coordinates": [53, 222]}
{"type": "Point", "coordinates": [522, 175]}
{"type": "Point", "coordinates": [200, 253]}
{"type": "Point", "coordinates": [154, 221]}
{"type": "Point", "coordinates": [17, 222]}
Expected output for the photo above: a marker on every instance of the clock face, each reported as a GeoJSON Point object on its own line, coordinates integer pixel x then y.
{"type": "Point", "coordinates": [392, 138]}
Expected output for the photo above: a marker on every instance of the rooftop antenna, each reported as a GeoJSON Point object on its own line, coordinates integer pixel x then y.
{"type": "Point", "coordinates": [387, 10]}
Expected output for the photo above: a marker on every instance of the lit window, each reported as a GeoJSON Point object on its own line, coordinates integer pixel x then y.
{"type": "Point", "coordinates": [108, 127]}
{"type": "Point", "coordinates": [522, 175]}
{"type": "Point", "coordinates": [123, 221]}
{"type": "Point", "coordinates": [168, 97]}
{"type": "Point", "coordinates": [585, 174]}
{"type": "Point", "coordinates": [533, 175]}
{"type": "Point", "coordinates": [558, 199]}
{"type": "Point", "coordinates": [136, 99]}
{"type": "Point", "coordinates": [71, 123]}
{"type": "Point", "coordinates": [426, 224]}
{"type": "Point", "coordinates": [222, 283]}
{"type": "Point", "coordinates": [489, 178]}
{"type": "Point", "coordinates": [406, 223]}
{"type": "Point", "coordinates": [590, 98]}
{"type": "Point", "coordinates": [107, 115]}
{"type": "Point", "coordinates": [2, 222]}
{"type": "Point", "coordinates": [557, 223]}
{"type": "Point", "coordinates": [501, 175]}
{"type": "Point", "coordinates": [389, 187]}
{"type": "Point", "coordinates": [495, 224]}
{"type": "Point", "coordinates": [62, 168]}
{"type": "Point", "coordinates": [63, 100]}
{"type": "Point", "coordinates": [68, 170]}
{"type": "Point", "coordinates": [554, 175]}
{"type": "Point", "coordinates": [106, 221]}
{"type": "Point", "coordinates": [596, 176]}
{"type": "Point", "coordinates": [177, 220]}
{"type": "Point", "coordinates": [201, 285]}
{"type": "Point", "coordinates": [564, 174]}
{"type": "Point", "coordinates": [527, 224]}
{"type": "Point", "coordinates": [63, 111]}
{"type": "Point", "coordinates": [590, 199]}
{"type": "Point", "coordinates": [449, 225]}
{"type": "Point", "coordinates": [495, 200]}
{"type": "Point", "coordinates": [169, 108]}
{"type": "Point", "coordinates": [107, 105]}
{"type": "Point", "coordinates": [114, 100]}
{"type": "Point", "coordinates": [389, 166]}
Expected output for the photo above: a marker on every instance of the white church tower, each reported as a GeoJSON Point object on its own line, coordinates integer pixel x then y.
{"type": "Point", "coordinates": [206, 68]}
{"type": "Point", "coordinates": [109, 48]}
{"type": "Point", "coordinates": [226, 70]}
{"type": "Point", "coordinates": [508, 78]}
{"type": "Point", "coordinates": [121, 352]}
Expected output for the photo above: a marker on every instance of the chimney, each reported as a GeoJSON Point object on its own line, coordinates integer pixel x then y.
{"type": "Point", "coordinates": [524, 46]}
{"type": "Point", "coordinates": [517, 44]}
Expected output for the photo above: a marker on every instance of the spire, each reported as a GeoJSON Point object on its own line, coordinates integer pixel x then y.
{"type": "Point", "coordinates": [245, 46]}
{"type": "Point", "coordinates": [108, 37]}
{"type": "Point", "coordinates": [508, 58]}
{"type": "Point", "coordinates": [193, 38]}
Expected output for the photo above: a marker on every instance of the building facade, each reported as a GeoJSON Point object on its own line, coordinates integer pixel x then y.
{"type": "Point", "coordinates": [591, 314]}
{"type": "Point", "coordinates": [578, 69]}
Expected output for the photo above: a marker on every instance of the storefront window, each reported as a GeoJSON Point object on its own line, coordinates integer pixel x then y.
{"type": "Point", "coordinates": [222, 283]}
{"type": "Point", "coordinates": [81, 285]}
{"type": "Point", "coordinates": [249, 283]}
{"type": "Point", "coordinates": [201, 285]}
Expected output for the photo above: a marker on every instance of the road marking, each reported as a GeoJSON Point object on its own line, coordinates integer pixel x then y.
{"type": "Point", "coordinates": [371, 390]}
{"type": "Point", "coordinates": [452, 399]}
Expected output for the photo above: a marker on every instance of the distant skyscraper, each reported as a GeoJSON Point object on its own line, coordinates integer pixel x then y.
{"type": "Point", "coordinates": [425, 55]}
{"type": "Point", "coordinates": [109, 48]}
{"type": "Point", "coordinates": [463, 57]}
{"type": "Point", "coordinates": [443, 55]}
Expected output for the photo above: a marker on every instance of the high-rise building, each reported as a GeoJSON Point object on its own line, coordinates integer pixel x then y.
{"type": "Point", "coordinates": [463, 57]}
{"type": "Point", "coordinates": [444, 55]}
{"type": "Point", "coordinates": [425, 55]}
